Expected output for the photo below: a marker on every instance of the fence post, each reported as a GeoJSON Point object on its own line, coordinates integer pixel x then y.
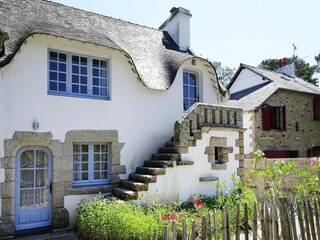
{"type": "Point", "coordinates": [155, 236]}
{"type": "Point", "coordinates": [267, 221]}
{"type": "Point", "coordinates": [255, 222]}
{"type": "Point", "coordinates": [302, 232]}
{"type": "Point", "coordinates": [306, 219]}
{"type": "Point", "coordinates": [204, 228]}
{"type": "Point", "coordinates": [193, 230]}
{"type": "Point", "coordinates": [293, 222]}
{"type": "Point", "coordinates": [184, 229]}
{"type": "Point", "coordinates": [166, 232]}
{"type": "Point", "coordinates": [209, 229]}
{"type": "Point", "coordinates": [174, 230]}
{"type": "Point", "coordinates": [275, 217]}
{"type": "Point", "coordinates": [263, 231]}
{"type": "Point", "coordinates": [310, 215]}
{"type": "Point", "coordinates": [215, 225]}
{"type": "Point", "coordinates": [246, 221]}
{"type": "Point", "coordinates": [316, 211]}
{"type": "Point", "coordinates": [284, 217]}
{"type": "Point", "coordinates": [224, 224]}
{"type": "Point", "coordinates": [238, 222]}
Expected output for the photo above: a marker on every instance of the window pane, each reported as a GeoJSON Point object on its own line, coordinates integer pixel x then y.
{"type": "Point", "coordinates": [26, 178]}
{"type": "Point", "coordinates": [85, 148]}
{"type": "Point", "coordinates": [97, 166]}
{"type": "Point", "coordinates": [85, 167]}
{"type": "Point", "coordinates": [103, 73]}
{"type": "Point", "coordinates": [53, 86]}
{"type": "Point", "coordinates": [53, 66]}
{"type": "Point", "coordinates": [104, 148]}
{"type": "Point", "coordinates": [95, 63]}
{"type": "Point", "coordinates": [62, 87]}
{"type": "Point", "coordinates": [75, 88]}
{"type": "Point", "coordinates": [53, 56]}
{"type": "Point", "coordinates": [185, 78]}
{"type": "Point", "coordinates": [103, 82]}
{"type": "Point", "coordinates": [103, 157]}
{"type": "Point", "coordinates": [76, 167]}
{"type": "Point", "coordinates": [192, 92]}
{"type": "Point", "coordinates": [95, 91]}
{"type": "Point", "coordinates": [192, 79]}
{"type": "Point", "coordinates": [76, 176]}
{"type": "Point", "coordinates": [84, 176]}
{"type": "Point", "coordinates": [62, 77]}
{"type": "Point", "coordinates": [62, 57]}
{"type": "Point", "coordinates": [62, 67]}
{"type": "Point", "coordinates": [41, 158]}
{"type": "Point", "coordinates": [83, 80]}
{"type": "Point", "coordinates": [27, 159]}
{"type": "Point", "coordinates": [53, 76]}
{"type": "Point", "coordinates": [84, 61]}
{"type": "Point", "coordinates": [26, 198]}
{"type": "Point", "coordinates": [76, 148]}
{"type": "Point", "coordinates": [104, 175]}
{"type": "Point", "coordinates": [84, 70]}
{"type": "Point", "coordinates": [41, 197]}
{"type": "Point", "coordinates": [75, 59]}
{"type": "Point", "coordinates": [75, 79]}
{"type": "Point", "coordinates": [185, 91]}
{"type": "Point", "coordinates": [95, 72]}
{"type": "Point", "coordinates": [75, 69]}
{"type": "Point", "coordinates": [85, 158]}
{"type": "Point", "coordinates": [83, 89]}
{"type": "Point", "coordinates": [96, 157]}
{"type": "Point", "coordinates": [96, 81]}
{"type": "Point", "coordinates": [103, 92]}
{"type": "Point", "coordinates": [104, 166]}
{"type": "Point", "coordinates": [41, 178]}
{"type": "Point", "coordinates": [96, 148]}
{"type": "Point", "coordinates": [103, 64]}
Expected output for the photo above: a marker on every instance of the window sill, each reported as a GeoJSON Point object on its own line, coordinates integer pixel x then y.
{"type": "Point", "coordinates": [78, 96]}
{"type": "Point", "coordinates": [90, 189]}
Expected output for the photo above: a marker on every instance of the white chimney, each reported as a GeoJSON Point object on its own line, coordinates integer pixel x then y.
{"type": "Point", "coordinates": [178, 26]}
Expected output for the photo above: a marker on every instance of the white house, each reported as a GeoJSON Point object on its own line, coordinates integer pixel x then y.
{"type": "Point", "coordinates": [86, 99]}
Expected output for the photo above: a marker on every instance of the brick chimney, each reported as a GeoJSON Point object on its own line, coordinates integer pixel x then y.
{"type": "Point", "coordinates": [178, 26]}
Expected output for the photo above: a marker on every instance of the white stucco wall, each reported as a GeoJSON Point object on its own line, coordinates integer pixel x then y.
{"type": "Point", "coordinates": [143, 117]}
{"type": "Point", "coordinates": [246, 79]}
{"type": "Point", "coordinates": [181, 182]}
{"type": "Point", "coordinates": [248, 134]}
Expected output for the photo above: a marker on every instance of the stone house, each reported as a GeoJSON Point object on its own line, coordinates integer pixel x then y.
{"type": "Point", "coordinates": [281, 111]}
{"type": "Point", "coordinates": [91, 104]}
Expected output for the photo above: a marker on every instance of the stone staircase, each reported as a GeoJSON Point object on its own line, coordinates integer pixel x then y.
{"type": "Point", "coordinates": [139, 181]}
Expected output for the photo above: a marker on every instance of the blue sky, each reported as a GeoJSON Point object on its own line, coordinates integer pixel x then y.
{"type": "Point", "coordinates": [229, 31]}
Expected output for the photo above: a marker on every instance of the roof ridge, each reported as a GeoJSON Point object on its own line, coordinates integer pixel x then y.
{"type": "Point", "coordinates": [100, 14]}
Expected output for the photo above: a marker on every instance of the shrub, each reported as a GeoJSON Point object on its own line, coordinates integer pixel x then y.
{"type": "Point", "coordinates": [117, 220]}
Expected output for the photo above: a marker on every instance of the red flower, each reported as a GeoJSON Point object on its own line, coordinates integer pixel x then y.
{"type": "Point", "coordinates": [165, 217]}
{"type": "Point", "coordinates": [173, 217]}
{"type": "Point", "coordinates": [201, 204]}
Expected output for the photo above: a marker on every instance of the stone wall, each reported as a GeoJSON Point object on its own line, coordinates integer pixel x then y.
{"type": "Point", "coordinates": [299, 111]}
{"type": "Point", "coordinates": [62, 153]}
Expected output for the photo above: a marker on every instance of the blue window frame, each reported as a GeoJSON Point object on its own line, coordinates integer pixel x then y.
{"type": "Point", "coordinates": [79, 76]}
{"type": "Point", "coordinates": [190, 89]}
{"type": "Point", "coordinates": [91, 164]}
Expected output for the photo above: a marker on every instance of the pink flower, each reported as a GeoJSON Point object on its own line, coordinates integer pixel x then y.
{"type": "Point", "coordinates": [173, 217]}
{"type": "Point", "coordinates": [201, 204]}
{"type": "Point", "coordinates": [314, 161]}
{"type": "Point", "coordinates": [165, 217]}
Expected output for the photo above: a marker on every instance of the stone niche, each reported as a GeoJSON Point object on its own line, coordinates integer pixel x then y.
{"type": "Point", "coordinates": [62, 154]}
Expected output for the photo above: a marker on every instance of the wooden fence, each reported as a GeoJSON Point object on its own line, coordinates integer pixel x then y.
{"type": "Point", "coordinates": [266, 221]}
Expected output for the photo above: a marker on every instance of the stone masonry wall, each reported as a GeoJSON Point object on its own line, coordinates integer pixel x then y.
{"type": "Point", "coordinates": [299, 110]}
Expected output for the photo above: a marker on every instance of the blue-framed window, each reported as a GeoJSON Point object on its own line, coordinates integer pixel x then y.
{"type": "Point", "coordinates": [79, 76]}
{"type": "Point", "coordinates": [91, 164]}
{"type": "Point", "coordinates": [190, 89]}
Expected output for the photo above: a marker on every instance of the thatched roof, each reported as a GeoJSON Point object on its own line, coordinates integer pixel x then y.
{"type": "Point", "coordinates": [154, 54]}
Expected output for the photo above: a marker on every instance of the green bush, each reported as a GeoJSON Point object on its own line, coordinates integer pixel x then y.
{"type": "Point", "coordinates": [117, 220]}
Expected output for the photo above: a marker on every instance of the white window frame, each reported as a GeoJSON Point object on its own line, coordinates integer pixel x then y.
{"type": "Point", "coordinates": [90, 76]}
{"type": "Point", "coordinates": [91, 171]}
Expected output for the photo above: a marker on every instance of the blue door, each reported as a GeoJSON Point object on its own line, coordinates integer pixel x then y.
{"type": "Point", "coordinates": [33, 188]}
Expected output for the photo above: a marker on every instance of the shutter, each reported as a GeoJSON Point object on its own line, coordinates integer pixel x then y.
{"type": "Point", "coordinates": [283, 117]}
{"type": "Point", "coordinates": [266, 124]}
{"type": "Point", "coordinates": [316, 108]}
{"type": "Point", "coordinates": [275, 154]}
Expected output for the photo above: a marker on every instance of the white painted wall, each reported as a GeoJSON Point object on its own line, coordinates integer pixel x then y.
{"type": "Point", "coordinates": [246, 79]}
{"type": "Point", "coordinates": [181, 182]}
{"type": "Point", "coordinates": [248, 133]}
{"type": "Point", "coordinates": [143, 117]}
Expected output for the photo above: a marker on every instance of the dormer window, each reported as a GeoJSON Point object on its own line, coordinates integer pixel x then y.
{"type": "Point", "coordinates": [190, 89]}
{"type": "Point", "coordinates": [78, 76]}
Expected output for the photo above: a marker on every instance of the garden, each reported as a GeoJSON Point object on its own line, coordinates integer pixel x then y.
{"type": "Point", "coordinates": [230, 212]}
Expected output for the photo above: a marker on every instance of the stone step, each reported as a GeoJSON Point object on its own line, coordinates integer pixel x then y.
{"type": "Point", "coordinates": [158, 163]}
{"type": "Point", "coordinates": [167, 150]}
{"type": "Point", "coordinates": [151, 171]}
{"type": "Point", "coordinates": [134, 186]}
{"type": "Point", "coordinates": [125, 194]}
{"type": "Point", "coordinates": [169, 144]}
{"type": "Point", "coordinates": [143, 178]}
{"type": "Point", "coordinates": [166, 156]}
